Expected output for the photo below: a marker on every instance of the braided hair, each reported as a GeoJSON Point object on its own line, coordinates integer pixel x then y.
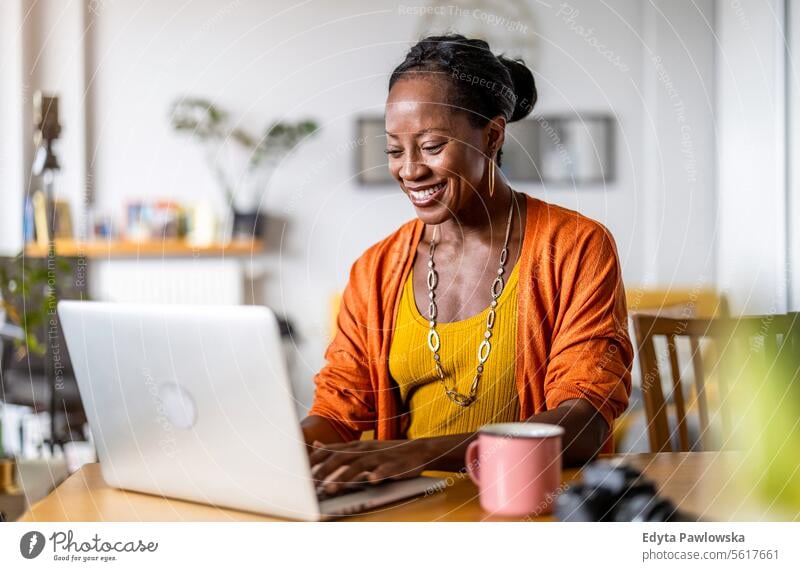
{"type": "Point", "coordinates": [483, 85]}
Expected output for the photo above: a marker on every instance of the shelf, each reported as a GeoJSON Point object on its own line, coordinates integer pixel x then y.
{"type": "Point", "coordinates": [168, 248]}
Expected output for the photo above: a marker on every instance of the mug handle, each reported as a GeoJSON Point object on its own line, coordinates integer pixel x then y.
{"type": "Point", "coordinates": [472, 462]}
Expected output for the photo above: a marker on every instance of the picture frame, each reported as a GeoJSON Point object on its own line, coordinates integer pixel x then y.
{"type": "Point", "coordinates": [521, 150]}
{"type": "Point", "coordinates": [576, 150]}
{"type": "Point", "coordinates": [371, 163]}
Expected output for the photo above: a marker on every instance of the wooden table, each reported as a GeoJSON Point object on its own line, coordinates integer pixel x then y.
{"type": "Point", "coordinates": [699, 482]}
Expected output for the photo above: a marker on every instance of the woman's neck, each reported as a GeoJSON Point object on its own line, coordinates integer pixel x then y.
{"type": "Point", "coordinates": [484, 221]}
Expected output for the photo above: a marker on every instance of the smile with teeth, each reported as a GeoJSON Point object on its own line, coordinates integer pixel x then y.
{"type": "Point", "coordinates": [428, 192]}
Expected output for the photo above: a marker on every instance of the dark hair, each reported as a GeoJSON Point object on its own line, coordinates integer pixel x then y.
{"type": "Point", "coordinates": [484, 85]}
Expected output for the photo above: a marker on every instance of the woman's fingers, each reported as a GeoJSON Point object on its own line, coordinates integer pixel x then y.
{"type": "Point", "coordinates": [325, 462]}
{"type": "Point", "coordinates": [335, 445]}
{"type": "Point", "coordinates": [330, 482]}
{"type": "Point", "coordinates": [318, 455]}
{"type": "Point", "coordinates": [372, 469]}
{"type": "Point", "coordinates": [393, 471]}
{"type": "Point", "coordinates": [320, 451]}
{"type": "Point", "coordinates": [335, 465]}
{"type": "Point", "coordinates": [348, 474]}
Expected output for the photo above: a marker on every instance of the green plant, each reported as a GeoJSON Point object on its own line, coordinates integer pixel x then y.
{"type": "Point", "coordinates": [766, 396]}
{"type": "Point", "coordinates": [27, 299]}
{"type": "Point", "coordinates": [211, 126]}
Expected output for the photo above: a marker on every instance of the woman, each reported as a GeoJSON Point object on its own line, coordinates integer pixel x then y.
{"type": "Point", "coordinates": [490, 306]}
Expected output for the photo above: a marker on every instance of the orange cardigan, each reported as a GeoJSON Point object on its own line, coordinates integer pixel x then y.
{"type": "Point", "coordinates": [572, 336]}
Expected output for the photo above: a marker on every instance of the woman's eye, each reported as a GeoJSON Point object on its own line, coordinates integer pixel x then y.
{"type": "Point", "coordinates": [392, 152]}
{"type": "Point", "coordinates": [433, 148]}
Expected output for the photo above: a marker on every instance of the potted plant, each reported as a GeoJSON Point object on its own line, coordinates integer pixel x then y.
{"type": "Point", "coordinates": [27, 301]}
{"type": "Point", "coordinates": [27, 304]}
{"type": "Point", "coordinates": [242, 163]}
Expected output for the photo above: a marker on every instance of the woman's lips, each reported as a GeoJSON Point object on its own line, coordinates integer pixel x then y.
{"type": "Point", "coordinates": [427, 196]}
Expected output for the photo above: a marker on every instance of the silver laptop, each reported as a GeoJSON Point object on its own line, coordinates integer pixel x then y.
{"type": "Point", "coordinates": [194, 402]}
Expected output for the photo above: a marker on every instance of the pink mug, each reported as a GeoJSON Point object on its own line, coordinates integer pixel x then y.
{"type": "Point", "coordinates": [517, 467]}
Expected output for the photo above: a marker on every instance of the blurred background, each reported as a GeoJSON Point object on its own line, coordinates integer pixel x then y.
{"type": "Point", "coordinates": [230, 152]}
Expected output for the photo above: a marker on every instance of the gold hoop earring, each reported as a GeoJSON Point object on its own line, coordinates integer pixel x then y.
{"type": "Point", "coordinates": [491, 177]}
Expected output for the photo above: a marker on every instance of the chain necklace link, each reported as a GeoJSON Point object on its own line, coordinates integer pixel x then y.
{"type": "Point", "coordinates": [485, 347]}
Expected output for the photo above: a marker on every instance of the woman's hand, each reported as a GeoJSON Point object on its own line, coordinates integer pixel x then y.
{"type": "Point", "coordinates": [334, 465]}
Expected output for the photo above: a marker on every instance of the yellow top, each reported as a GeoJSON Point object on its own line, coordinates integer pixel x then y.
{"type": "Point", "coordinates": [411, 366]}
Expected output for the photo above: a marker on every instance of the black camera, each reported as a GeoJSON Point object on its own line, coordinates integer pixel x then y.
{"type": "Point", "coordinates": [615, 492]}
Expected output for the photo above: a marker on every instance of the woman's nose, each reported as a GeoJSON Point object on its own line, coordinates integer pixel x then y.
{"type": "Point", "coordinates": [412, 170]}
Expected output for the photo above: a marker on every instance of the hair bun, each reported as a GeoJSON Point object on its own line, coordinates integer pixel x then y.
{"type": "Point", "coordinates": [524, 87]}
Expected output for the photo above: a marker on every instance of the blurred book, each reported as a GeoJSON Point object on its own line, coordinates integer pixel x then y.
{"type": "Point", "coordinates": [28, 226]}
{"type": "Point", "coordinates": [62, 219]}
{"type": "Point", "coordinates": [40, 218]}
{"type": "Point", "coordinates": [154, 220]}
{"type": "Point", "coordinates": [202, 225]}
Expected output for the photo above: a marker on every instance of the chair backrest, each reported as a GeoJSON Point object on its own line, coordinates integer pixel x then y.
{"type": "Point", "coordinates": [697, 302]}
{"type": "Point", "coordinates": [767, 339]}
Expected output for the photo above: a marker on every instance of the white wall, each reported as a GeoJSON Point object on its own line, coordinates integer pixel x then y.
{"type": "Point", "coordinates": [679, 188]}
{"type": "Point", "coordinates": [42, 50]}
{"type": "Point", "coordinates": [752, 238]}
{"type": "Point", "coordinates": [793, 77]}
{"type": "Point", "coordinates": [575, 75]}
{"type": "Point", "coordinates": [12, 180]}
{"type": "Point", "coordinates": [332, 61]}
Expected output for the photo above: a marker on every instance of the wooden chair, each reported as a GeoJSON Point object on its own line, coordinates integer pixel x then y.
{"type": "Point", "coordinates": [677, 302]}
{"type": "Point", "coordinates": [765, 340]}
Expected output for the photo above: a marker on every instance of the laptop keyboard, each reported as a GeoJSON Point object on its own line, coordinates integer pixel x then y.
{"type": "Point", "coordinates": [346, 489]}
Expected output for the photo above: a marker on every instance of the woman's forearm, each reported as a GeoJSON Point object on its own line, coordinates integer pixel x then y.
{"type": "Point", "coordinates": [446, 453]}
{"type": "Point", "coordinates": [319, 429]}
{"type": "Point", "coordinates": [584, 434]}
{"type": "Point", "coordinates": [585, 431]}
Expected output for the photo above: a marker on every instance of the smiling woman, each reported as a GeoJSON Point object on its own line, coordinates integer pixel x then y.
{"type": "Point", "coordinates": [489, 306]}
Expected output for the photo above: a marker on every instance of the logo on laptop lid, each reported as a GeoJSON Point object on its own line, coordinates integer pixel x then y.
{"type": "Point", "coordinates": [178, 405]}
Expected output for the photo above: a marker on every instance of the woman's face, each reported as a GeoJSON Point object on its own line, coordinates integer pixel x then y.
{"type": "Point", "coordinates": [435, 153]}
